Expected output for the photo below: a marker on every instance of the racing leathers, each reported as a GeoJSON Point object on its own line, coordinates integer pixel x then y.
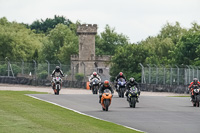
{"type": "Point", "coordinates": [101, 90]}
{"type": "Point", "coordinates": [129, 85]}
{"type": "Point", "coordinates": [190, 88]}
{"type": "Point", "coordinates": [92, 77]}
{"type": "Point", "coordinates": [56, 72]}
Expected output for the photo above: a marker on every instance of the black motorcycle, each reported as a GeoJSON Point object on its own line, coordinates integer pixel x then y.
{"type": "Point", "coordinates": [132, 96]}
{"type": "Point", "coordinates": [196, 98]}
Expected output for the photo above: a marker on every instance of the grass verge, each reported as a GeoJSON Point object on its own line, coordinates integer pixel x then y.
{"type": "Point", "coordinates": [22, 114]}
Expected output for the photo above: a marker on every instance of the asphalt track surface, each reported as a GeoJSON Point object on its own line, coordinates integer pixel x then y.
{"type": "Point", "coordinates": [153, 114]}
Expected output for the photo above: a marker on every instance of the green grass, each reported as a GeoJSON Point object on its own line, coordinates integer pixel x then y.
{"type": "Point", "coordinates": [22, 114]}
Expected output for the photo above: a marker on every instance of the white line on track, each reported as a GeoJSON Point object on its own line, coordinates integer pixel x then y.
{"type": "Point", "coordinates": [82, 113]}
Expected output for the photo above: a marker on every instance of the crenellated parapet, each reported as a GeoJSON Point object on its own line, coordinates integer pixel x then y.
{"type": "Point", "coordinates": [103, 58]}
{"type": "Point", "coordinates": [74, 57]}
{"type": "Point", "coordinates": [87, 29]}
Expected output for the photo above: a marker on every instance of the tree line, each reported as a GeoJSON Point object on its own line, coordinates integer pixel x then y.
{"type": "Point", "coordinates": [56, 39]}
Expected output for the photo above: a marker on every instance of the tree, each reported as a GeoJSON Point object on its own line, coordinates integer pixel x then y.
{"type": "Point", "coordinates": [43, 26]}
{"type": "Point", "coordinates": [127, 59]}
{"type": "Point", "coordinates": [17, 42]}
{"type": "Point", "coordinates": [62, 42]}
{"type": "Point", "coordinates": [108, 41]}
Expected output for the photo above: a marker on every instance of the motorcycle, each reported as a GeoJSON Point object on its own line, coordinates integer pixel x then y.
{"type": "Point", "coordinates": [57, 81]}
{"type": "Point", "coordinates": [132, 96]}
{"type": "Point", "coordinates": [95, 86]}
{"type": "Point", "coordinates": [106, 99]}
{"type": "Point", "coordinates": [121, 87]}
{"type": "Point", "coordinates": [196, 99]}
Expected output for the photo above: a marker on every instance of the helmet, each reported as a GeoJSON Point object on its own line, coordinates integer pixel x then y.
{"type": "Point", "coordinates": [57, 68]}
{"type": "Point", "coordinates": [94, 74]}
{"type": "Point", "coordinates": [195, 80]}
{"type": "Point", "coordinates": [106, 83]}
{"type": "Point", "coordinates": [121, 74]}
{"type": "Point", "coordinates": [132, 80]}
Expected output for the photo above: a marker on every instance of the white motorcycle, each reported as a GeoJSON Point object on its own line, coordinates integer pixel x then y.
{"type": "Point", "coordinates": [57, 81]}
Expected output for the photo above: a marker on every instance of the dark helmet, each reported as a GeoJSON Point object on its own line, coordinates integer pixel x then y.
{"type": "Point", "coordinates": [195, 80]}
{"type": "Point", "coordinates": [121, 74]}
{"type": "Point", "coordinates": [94, 74]}
{"type": "Point", "coordinates": [57, 68]}
{"type": "Point", "coordinates": [132, 80]}
{"type": "Point", "coordinates": [106, 83]}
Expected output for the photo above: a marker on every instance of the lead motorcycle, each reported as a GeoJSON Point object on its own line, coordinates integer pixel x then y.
{"type": "Point", "coordinates": [196, 93]}
{"type": "Point", "coordinates": [56, 83]}
{"type": "Point", "coordinates": [132, 96]}
{"type": "Point", "coordinates": [95, 85]}
{"type": "Point", "coordinates": [106, 99]}
{"type": "Point", "coordinates": [121, 87]}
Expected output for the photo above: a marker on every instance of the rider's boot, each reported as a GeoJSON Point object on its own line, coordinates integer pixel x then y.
{"type": "Point", "coordinates": [137, 100]}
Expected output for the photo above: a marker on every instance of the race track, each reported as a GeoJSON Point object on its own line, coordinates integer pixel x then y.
{"type": "Point", "coordinates": [153, 114]}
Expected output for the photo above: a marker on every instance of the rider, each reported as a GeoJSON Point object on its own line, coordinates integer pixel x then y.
{"type": "Point", "coordinates": [130, 84]}
{"type": "Point", "coordinates": [192, 84]}
{"type": "Point", "coordinates": [94, 75]}
{"type": "Point", "coordinates": [104, 86]}
{"type": "Point", "coordinates": [56, 72]}
{"type": "Point", "coordinates": [120, 75]}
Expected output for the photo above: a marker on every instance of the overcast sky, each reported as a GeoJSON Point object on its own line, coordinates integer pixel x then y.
{"type": "Point", "coordinates": [136, 19]}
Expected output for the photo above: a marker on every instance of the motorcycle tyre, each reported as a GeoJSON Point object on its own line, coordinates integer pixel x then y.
{"type": "Point", "coordinates": [106, 104]}
{"type": "Point", "coordinates": [58, 90]}
{"type": "Point", "coordinates": [133, 102]}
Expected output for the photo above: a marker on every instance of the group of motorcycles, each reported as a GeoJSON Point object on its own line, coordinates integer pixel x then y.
{"type": "Point", "coordinates": [121, 89]}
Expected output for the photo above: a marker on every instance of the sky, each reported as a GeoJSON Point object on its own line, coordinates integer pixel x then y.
{"type": "Point", "coordinates": [136, 19]}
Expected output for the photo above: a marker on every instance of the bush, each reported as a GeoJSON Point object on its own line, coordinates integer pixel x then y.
{"type": "Point", "coordinates": [43, 75]}
{"type": "Point", "coordinates": [79, 76]}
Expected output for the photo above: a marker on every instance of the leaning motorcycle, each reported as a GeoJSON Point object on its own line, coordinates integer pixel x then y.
{"type": "Point", "coordinates": [121, 87]}
{"type": "Point", "coordinates": [132, 96]}
{"type": "Point", "coordinates": [196, 99]}
{"type": "Point", "coordinates": [57, 81]}
{"type": "Point", "coordinates": [106, 99]}
{"type": "Point", "coordinates": [95, 85]}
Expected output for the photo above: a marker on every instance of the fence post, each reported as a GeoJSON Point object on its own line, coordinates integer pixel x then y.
{"type": "Point", "coordinates": [142, 77]}
{"type": "Point", "coordinates": [48, 67]}
{"type": "Point", "coordinates": [35, 67]}
{"type": "Point", "coordinates": [156, 74]}
{"type": "Point", "coordinates": [22, 66]}
{"type": "Point", "coordinates": [170, 75]}
{"type": "Point", "coordinates": [189, 74]}
{"type": "Point", "coordinates": [149, 73]}
{"type": "Point", "coordinates": [177, 74]}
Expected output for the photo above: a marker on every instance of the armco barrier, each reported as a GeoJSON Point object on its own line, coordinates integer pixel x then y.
{"type": "Point", "coordinates": [36, 82]}
{"type": "Point", "coordinates": [75, 84]}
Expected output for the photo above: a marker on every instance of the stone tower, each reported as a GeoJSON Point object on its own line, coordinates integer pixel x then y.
{"type": "Point", "coordinates": [86, 46]}
{"type": "Point", "coordinates": [87, 62]}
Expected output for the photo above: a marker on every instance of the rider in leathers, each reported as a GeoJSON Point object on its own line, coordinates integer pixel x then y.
{"type": "Point", "coordinates": [94, 75]}
{"type": "Point", "coordinates": [120, 75]}
{"type": "Point", "coordinates": [56, 72]}
{"type": "Point", "coordinates": [104, 86]}
{"type": "Point", "coordinates": [192, 84]}
{"type": "Point", "coordinates": [130, 84]}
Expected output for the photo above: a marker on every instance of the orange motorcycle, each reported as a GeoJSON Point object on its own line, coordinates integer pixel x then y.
{"type": "Point", "coordinates": [106, 99]}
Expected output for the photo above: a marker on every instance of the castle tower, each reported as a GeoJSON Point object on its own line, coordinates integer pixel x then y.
{"type": "Point", "coordinates": [86, 62]}
{"type": "Point", "coordinates": [86, 47]}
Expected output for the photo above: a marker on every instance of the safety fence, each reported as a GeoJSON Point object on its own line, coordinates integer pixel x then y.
{"type": "Point", "coordinates": [169, 75]}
